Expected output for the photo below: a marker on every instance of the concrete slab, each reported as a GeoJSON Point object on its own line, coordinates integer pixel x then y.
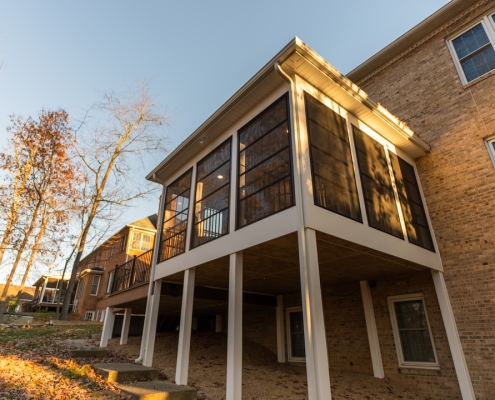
{"type": "Point", "coordinates": [158, 390]}
{"type": "Point", "coordinates": [125, 372]}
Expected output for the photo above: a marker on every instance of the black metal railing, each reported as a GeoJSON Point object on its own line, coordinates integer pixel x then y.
{"type": "Point", "coordinates": [133, 273]}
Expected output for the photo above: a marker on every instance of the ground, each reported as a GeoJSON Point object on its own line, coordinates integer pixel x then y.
{"type": "Point", "coordinates": [263, 377]}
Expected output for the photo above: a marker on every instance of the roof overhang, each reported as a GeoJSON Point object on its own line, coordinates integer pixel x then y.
{"type": "Point", "coordinates": [411, 37]}
{"type": "Point", "coordinates": [299, 58]}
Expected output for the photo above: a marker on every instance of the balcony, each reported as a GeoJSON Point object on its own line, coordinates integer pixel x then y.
{"type": "Point", "coordinates": [133, 273]}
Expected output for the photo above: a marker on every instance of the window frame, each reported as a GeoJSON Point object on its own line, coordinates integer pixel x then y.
{"type": "Point", "coordinates": [142, 234]}
{"type": "Point", "coordinates": [110, 277]}
{"type": "Point", "coordinates": [291, 178]}
{"type": "Point", "coordinates": [395, 328]}
{"type": "Point", "coordinates": [488, 24]}
{"type": "Point", "coordinates": [92, 313]}
{"type": "Point", "coordinates": [288, 311]}
{"type": "Point", "coordinates": [490, 146]}
{"type": "Point", "coordinates": [97, 285]}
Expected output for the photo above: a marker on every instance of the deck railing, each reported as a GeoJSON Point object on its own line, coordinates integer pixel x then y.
{"type": "Point", "coordinates": [133, 273]}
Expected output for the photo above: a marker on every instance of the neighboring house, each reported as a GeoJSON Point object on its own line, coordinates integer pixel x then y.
{"type": "Point", "coordinates": [109, 268]}
{"type": "Point", "coordinates": [323, 227]}
{"type": "Point", "coordinates": [49, 291]}
{"type": "Point", "coordinates": [18, 297]}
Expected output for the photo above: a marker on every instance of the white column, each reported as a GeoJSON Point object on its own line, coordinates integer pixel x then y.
{"type": "Point", "coordinates": [182, 368]}
{"type": "Point", "coordinates": [460, 365]}
{"type": "Point", "coordinates": [150, 339]}
{"type": "Point", "coordinates": [314, 323]}
{"type": "Point", "coordinates": [125, 326]}
{"type": "Point", "coordinates": [107, 330]}
{"type": "Point", "coordinates": [369, 315]}
{"type": "Point", "coordinates": [280, 330]}
{"type": "Point", "coordinates": [234, 338]}
{"type": "Point", "coordinates": [218, 323]}
{"type": "Point", "coordinates": [154, 261]}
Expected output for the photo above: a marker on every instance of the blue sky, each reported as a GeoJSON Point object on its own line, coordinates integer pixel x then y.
{"type": "Point", "coordinates": [196, 53]}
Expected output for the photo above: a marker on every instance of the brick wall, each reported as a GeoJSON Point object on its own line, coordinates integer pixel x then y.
{"type": "Point", "coordinates": [423, 88]}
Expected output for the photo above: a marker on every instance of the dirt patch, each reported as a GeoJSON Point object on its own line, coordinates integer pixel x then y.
{"type": "Point", "coordinates": [263, 377]}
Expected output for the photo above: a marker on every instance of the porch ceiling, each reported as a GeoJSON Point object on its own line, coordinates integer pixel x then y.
{"type": "Point", "coordinates": [272, 268]}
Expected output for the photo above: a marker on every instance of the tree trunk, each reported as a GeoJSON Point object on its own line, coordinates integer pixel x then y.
{"type": "Point", "coordinates": [37, 241]}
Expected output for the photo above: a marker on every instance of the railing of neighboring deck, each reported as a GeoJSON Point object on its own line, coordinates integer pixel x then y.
{"type": "Point", "coordinates": [133, 273]}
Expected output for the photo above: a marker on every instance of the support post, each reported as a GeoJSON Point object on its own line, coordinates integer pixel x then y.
{"type": "Point", "coordinates": [125, 326]}
{"type": "Point", "coordinates": [150, 340]}
{"type": "Point", "coordinates": [369, 315]}
{"type": "Point", "coordinates": [460, 365]}
{"type": "Point", "coordinates": [314, 322]}
{"type": "Point", "coordinates": [182, 368]}
{"type": "Point", "coordinates": [107, 327]}
{"type": "Point", "coordinates": [234, 338]}
{"type": "Point", "coordinates": [280, 330]}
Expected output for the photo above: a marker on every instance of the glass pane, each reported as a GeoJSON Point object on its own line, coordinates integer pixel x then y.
{"type": "Point", "coordinates": [175, 217]}
{"type": "Point", "coordinates": [334, 183]}
{"type": "Point", "coordinates": [470, 41]}
{"type": "Point", "coordinates": [381, 206]}
{"type": "Point", "coordinates": [211, 213]}
{"type": "Point", "coordinates": [265, 173]}
{"type": "Point", "coordinates": [413, 210]}
{"type": "Point", "coordinates": [416, 346]}
{"type": "Point", "coordinates": [297, 334]}
{"type": "Point", "coordinates": [410, 314]}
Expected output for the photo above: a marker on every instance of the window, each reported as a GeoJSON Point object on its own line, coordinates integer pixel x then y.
{"type": "Point", "coordinates": [473, 50]}
{"type": "Point", "coordinates": [411, 202]}
{"type": "Point", "coordinates": [265, 168]}
{"type": "Point", "coordinates": [412, 334]}
{"type": "Point", "coordinates": [173, 241]}
{"type": "Point", "coordinates": [80, 288]}
{"type": "Point", "coordinates": [211, 211]}
{"type": "Point", "coordinates": [140, 241]}
{"type": "Point", "coordinates": [95, 285]}
{"type": "Point", "coordinates": [89, 315]}
{"type": "Point", "coordinates": [295, 334]}
{"type": "Point", "coordinates": [490, 145]}
{"type": "Point", "coordinates": [123, 242]}
{"type": "Point", "coordinates": [379, 196]}
{"type": "Point", "coordinates": [334, 183]}
{"type": "Point", "coordinates": [110, 281]}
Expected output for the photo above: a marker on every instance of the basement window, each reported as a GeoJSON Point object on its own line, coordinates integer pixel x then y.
{"type": "Point", "coordinates": [295, 335]}
{"type": "Point", "coordinates": [473, 50]}
{"type": "Point", "coordinates": [412, 333]}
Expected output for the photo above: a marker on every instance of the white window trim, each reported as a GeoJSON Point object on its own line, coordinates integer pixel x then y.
{"type": "Point", "coordinates": [86, 314]}
{"type": "Point", "coordinates": [489, 27]}
{"type": "Point", "coordinates": [489, 146]}
{"type": "Point", "coordinates": [110, 277]}
{"type": "Point", "coordinates": [288, 311]}
{"type": "Point", "coordinates": [97, 286]}
{"type": "Point", "coordinates": [395, 328]}
{"type": "Point", "coordinates": [141, 240]}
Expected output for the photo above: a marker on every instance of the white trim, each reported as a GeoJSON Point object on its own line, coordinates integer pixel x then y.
{"type": "Point", "coordinates": [395, 328]}
{"type": "Point", "coordinates": [143, 234]}
{"type": "Point", "coordinates": [369, 314]}
{"type": "Point", "coordinates": [97, 286]}
{"type": "Point", "coordinates": [126, 323]}
{"type": "Point", "coordinates": [151, 332]}
{"type": "Point", "coordinates": [93, 313]}
{"type": "Point", "coordinates": [288, 312]}
{"type": "Point", "coordinates": [488, 25]}
{"type": "Point", "coordinates": [107, 330]}
{"type": "Point", "coordinates": [489, 143]}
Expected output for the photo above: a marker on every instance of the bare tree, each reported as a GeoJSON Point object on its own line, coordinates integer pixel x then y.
{"type": "Point", "coordinates": [111, 150]}
{"type": "Point", "coordinates": [42, 180]}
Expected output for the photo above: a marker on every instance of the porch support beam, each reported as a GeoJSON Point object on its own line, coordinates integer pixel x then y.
{"type": "Point", "coordinates": [150, 340]}
{"type": "Point", "coordinates": [107, 330]}
{"type": "Point", "coordinates": [234, 338]}
{"type": "Point", "coordinates": [460, 365]}
{"type": "Point", "coordinates": [182, 368]}
{"type": "Point", "coordinates": [369, 315]}
{"type": "Point", "coordinates": [314, 322]}
{"type": "Point", "coordinates": [280, 330]}
{"type": "Point", "coordinates": [125, 326]}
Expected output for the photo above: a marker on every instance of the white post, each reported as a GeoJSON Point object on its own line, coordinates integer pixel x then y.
{"type": "Point", "coordinates": [314, 323]}
{"type": "Point", "coordinates": [234, 338]}
{"type": "Point", "coordinates": [150, 339]}
{"type": "Point", "coordinates": [369, 315]}
{"type": "Point", "coordinates": [280, 330]}
{"type": "Point", "coordinates": [125, 326]}
{"type": "Point", "coordinates": [460, 365]}
{"type": "Point", "coordinates": [218, 323]}
{"type": "Point", "coordinates": [154, 261]}
{"type": "Point", "coordinates": [182, 368]}
{"type": "Point", "coordinates": [107, 330]}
